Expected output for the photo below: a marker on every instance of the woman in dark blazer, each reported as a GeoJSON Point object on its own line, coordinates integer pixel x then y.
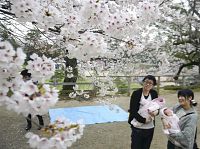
{"type": "Point", "coordinates": [141, 136]}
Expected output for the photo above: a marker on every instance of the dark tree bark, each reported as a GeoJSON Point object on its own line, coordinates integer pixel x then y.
{"type": "Point", "coordinates": [186, 65]}
{"type": "Point", "coordinates": [73, 64]}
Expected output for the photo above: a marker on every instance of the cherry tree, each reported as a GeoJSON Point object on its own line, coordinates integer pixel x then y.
{"type": "Point", "coordinates": [180, 25]}
{"type": "Point", "coordinates": [87, 30]}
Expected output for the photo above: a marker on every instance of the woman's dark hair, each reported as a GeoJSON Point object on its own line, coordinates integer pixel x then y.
{"type": "Point", "coordinates": [25, 73]}
{"type": "Point", "coordinates": [150, 77]}
{"type": "Point", "coordinates": [187, 93]}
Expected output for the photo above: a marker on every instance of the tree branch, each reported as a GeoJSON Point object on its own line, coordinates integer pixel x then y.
{"type": "Point", "coordinates": [7, 12]}
{"type": "Point", "coordinates": [184, 65]}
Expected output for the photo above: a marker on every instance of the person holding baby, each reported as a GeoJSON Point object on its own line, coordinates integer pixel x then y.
{"type": "Point", "coordinates": [181, 131]}
{"type": "Point", "coordinates": [142, 135]}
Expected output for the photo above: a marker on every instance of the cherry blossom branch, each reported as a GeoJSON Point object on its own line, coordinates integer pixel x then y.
{"type": "Point", "coordinates": [44, 34]}
{"type": "Point", "coordinates": [7, 12]}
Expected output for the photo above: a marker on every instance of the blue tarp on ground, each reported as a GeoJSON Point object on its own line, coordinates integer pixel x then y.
{"type": "Point", "coordinates": [90, 114]}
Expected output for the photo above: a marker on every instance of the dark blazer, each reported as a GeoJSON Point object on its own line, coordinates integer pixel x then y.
{"type": "Point", "coordinates": [135, 105]}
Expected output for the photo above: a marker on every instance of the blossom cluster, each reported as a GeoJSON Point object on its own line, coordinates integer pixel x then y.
{"type": "Point", "coordinates": [41, 68]}
{"type": "Point", "coordinates": [105, 86]}
{"type": "Point", "coordinates": [90, 45]}
{"type": "Point", "coordinates": [10, 64]}
{"type": "Point", "coordinates": [11, 60]}
{"type": "Point", "coordinates": [33, 97]}
{"type": "Point", "coordinates": [18, 95]}
{"type": "Point", "coordinates": [89, 16]}
{"type": "Point", "coordinates": [78, 92]}
{"type": "Point", "coordinates": [63, 133]}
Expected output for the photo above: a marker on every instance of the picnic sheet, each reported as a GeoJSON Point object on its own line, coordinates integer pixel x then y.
{"type": "Point", "coordinates": [90, 114]}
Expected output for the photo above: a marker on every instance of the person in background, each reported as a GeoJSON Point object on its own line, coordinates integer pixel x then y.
{"type": "Point", "coordinates": [187, 122]}
{"type": "Point", "coordinates": [27, 76]}
{"type": "Point", "coordinates": [141, 136]}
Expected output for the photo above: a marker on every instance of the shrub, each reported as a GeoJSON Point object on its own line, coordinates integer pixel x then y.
{"type": "Point", "coordinates": [122, 85]}
{"type": "Point", "coordinates": [175, 87]}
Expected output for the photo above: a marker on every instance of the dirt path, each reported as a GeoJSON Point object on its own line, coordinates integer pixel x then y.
{"type": "Point", "coordinates": [99, 136]}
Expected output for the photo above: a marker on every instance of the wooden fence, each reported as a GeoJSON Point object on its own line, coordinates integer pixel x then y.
{"type": "Point", "coordinates": [164, 80]}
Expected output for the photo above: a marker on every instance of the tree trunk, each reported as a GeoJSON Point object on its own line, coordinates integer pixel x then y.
{"type": "Point", "coordinates": [185, 65]}
{"type": "Point", "coordinates": [199, 68]}
{"type": "Point", "coordinates": [73, 63]}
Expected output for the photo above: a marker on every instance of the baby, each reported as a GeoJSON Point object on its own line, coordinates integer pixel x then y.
{"type": "Point", "coordinates": [169, 118]}
{"type": "Point", "coordinates": [146, 107]}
